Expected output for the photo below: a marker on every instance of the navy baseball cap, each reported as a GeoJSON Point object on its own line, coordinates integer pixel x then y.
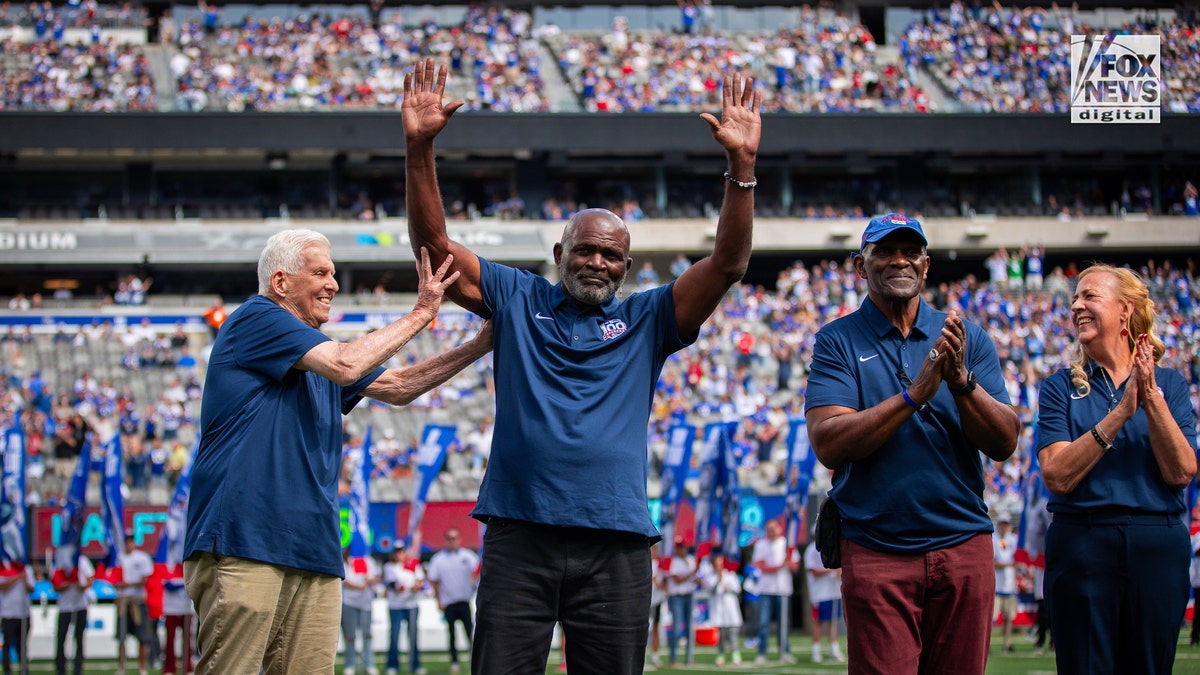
{"type": "Point", "coordinates": [882, 226]}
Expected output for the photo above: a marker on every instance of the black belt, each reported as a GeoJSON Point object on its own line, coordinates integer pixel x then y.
{"type": "Point", "coordinates": [1094, 519]}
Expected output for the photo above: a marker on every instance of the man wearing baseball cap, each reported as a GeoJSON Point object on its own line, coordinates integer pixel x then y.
{"type": "Point", "coordinates": [901, 400]}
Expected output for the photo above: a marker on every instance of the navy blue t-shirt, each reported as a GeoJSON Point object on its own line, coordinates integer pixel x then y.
{"type": "Point", "coordinates": [1127, 479]}
{"type": "Point", "coordinates": [574, 387]}
{"type": "Point", "coordinates": [922, 490]}
{"type": "Point", "coordinates": [264, 482]}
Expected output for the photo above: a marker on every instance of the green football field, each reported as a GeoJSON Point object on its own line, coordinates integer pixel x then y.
{"type": "Point", "coordinates": [1022, 662]}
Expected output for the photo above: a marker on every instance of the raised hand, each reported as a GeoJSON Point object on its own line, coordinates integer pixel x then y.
{"type": "Point", "coordinates": [422, 111]}
{"type": "Point", "coordinates": [1143, 369]}
{"type": "Point", "coordinates": [740, 126]}
{"type": "Point", "coordinates": [954, 343]}
{"type": "Point", "coordinates": [431, 286]}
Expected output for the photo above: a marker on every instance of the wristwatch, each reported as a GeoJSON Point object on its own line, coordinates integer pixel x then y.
{"type": "Point", "coordinates": [966, 388]}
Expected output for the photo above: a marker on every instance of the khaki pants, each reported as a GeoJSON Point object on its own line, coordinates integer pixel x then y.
{"type": "Point", "coordinates": [252, 614]}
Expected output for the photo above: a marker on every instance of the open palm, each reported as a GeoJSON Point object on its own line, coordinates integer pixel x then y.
{"type": "Point", "coordinates": [740, 126]}
{"type": "Point", "coordinates": [423, 114]}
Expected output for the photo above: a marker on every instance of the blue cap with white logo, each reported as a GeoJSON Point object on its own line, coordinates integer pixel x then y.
{"type": "Point", "coordinates": [882, 226]}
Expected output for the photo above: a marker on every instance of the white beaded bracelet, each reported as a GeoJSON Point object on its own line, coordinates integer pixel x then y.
{"type": "Point", "coordinates": [741, 184]}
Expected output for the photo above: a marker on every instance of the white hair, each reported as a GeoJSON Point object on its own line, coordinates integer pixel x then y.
{"type": "Point", "coordinates": [285, 252]}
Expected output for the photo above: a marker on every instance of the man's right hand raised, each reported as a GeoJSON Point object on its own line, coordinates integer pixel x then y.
{"type": "Point", "coordinates": [422, 111]}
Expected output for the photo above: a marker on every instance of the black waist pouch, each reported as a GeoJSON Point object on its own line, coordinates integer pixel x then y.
{"type": "Point", "coordinates": [829, 535]}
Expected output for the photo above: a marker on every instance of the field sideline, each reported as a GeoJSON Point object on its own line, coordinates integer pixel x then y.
{"type": "Point", "coordinates": [1022, 662]}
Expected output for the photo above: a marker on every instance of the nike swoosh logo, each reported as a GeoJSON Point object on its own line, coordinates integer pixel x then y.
{"type": "Point", "coordinates": [864, 359]}
{"type": "Point", "coordinates": [540, 316]}
{"type": "Point", "coordinates": [1076, 397]}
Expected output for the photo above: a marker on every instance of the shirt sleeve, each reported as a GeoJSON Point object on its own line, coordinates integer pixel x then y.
{"type": "Point", "coordinates": [831, 380]}
{"type": "Point", "coordinates": [1053, 425]}
{"type": "Point", "coordinates": [271, 340]}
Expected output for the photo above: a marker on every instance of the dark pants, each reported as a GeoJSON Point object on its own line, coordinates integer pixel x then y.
{"type": "Point", "coordinates": [16, 634]}
{"type": "Point", "coordinates": [460, 612]}
{"type": "Point", "coordinates": [920, 612]}
{"type": "Point", "coordinates": [596, 582]}
{"type": "Point", "coordinates": [1043, 623]}
{"type": "Point", "coordinates": [397, 618]}
{"type": "Point", "coordinates": [1116, 587]}
{"type": "Point", "coordinates": [66, 620]}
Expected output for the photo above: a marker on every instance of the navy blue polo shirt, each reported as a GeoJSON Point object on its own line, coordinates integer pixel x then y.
{"type": "Point", "coordinates": [574, 386]}
{"type": "Point", "coordinates": [1127, 479]}
{"type": "Point", "coordinates": [922, 490]}
{"type": "Point", "coordinates": [264, 482]}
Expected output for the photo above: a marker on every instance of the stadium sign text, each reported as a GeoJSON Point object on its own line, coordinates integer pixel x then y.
{"type": "Point", "coordinates": [38, 241]}
{"type": "Point", "coordinates": [1116, 81]}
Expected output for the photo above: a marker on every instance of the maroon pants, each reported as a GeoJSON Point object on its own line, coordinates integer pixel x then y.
{"type": "Point", "coordinates": [186, 628]}
{"type": "Point", "coordinates": [920, 613]}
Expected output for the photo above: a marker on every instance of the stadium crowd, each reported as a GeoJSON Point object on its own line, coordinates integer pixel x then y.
{"type": "Point", "coordinates": [748, 365]}
{"type": "Point", "coordinates": [984, 58]}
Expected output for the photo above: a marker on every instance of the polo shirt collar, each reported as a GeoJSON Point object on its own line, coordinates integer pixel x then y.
{"type": "Point", "coordinates": [925, 325]}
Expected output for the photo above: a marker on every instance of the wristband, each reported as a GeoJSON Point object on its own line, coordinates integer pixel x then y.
{"type": "Point", "coordinates": [1105, 444]}
{"type": "Point", "coordinates": [741, 184]}
{"type": "Point", "coordinates": [909, 400]}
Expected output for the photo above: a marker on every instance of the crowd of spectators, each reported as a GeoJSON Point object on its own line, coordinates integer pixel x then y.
{"type": "Point", "coordinates": [987, 58]}
{"type": "Point", "coordinates": [993, 58]}
{"type": "Point", "coordinates": [748, 365]}
{"type": "Point", "coordinates": [303, 61]}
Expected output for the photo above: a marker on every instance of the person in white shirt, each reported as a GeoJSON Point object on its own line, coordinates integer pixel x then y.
{"type": "Point", "coordinates": [132, 612]}
{"type": "Point", "coordinates": [777, 563]}
{"type": "Point", "coordinates": [405, 584]}
{"type": "Point", "coordinates": [1004, 550]}
{"type": "Point", "coordinates": [454, 573]}
{"type": "Point", "coordinates": [74, 596]}
{"type": "Point", "coordinates": [825, 596]}
{"type": "Point", "coordinates": [16, 581]}
{"type": "Point", "coordinates": [681, 587]}
{"type": "Point", "coordinates": [724, 609]}
{"type": "Point", "coordinates": [358, 593]}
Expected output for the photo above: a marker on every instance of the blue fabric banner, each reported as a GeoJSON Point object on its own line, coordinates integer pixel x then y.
{"type": "Point", "coordinates": [676, 464]}
{"type": "Point", "coordinates": [66, 555]}
{"type": "Point", "coordinates": [170, 544]}
{"type": "Point", "coordinates": [12, 495]}
{"type": "Point", "coordinates": [800, 464]}
{"type": "Point", "coordinates": [360, 501]}
{"type": "Point", "coordinates": [112, 505]}
{"type": "Point", "coordinates": [436, 440]}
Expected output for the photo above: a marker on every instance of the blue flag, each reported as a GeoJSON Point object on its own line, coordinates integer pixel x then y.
{"type": "Point", "coordinates": [729, 501]}
{"type": "Point", "coordinates": [66, 556]}
{"type": "Point", "coordinates": [170, 544]}
{"type": "Point", "coordinates": [435, 442]}
{"type": "Point", "coordinates": [360, 501]}
{"type": "Point", "coordinates": [800, 464]}
{"type": "Point", "coordinates": [12, 494]}
{"type": "Point", "coordinates": [718, 500]}
{"type": "Point", "coordinates": [675, 467]}
{"type": "Point", "coordinates": [112, 504]}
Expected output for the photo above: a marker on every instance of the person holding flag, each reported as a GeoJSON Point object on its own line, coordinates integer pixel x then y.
{"type": "Point", "coordinates": [262, 554]}
{"type": "Point", "coordinates": [74, 597]}
{"type": "Point", "coordinates": [177, 608]}
{"type": "Point", "coordinates": [16, 582]}
{"type": "Point", "coordinates": [129, 579]}
{"type": "Point", "coordinates": [73, 573]}
{"type": "Point", "coordinates": [358, 594]}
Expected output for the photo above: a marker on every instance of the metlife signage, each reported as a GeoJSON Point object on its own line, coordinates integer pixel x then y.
{"type": "Point", "coordinates": [190, 243]}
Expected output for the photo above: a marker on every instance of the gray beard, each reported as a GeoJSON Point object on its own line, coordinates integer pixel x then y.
{"type": "Point", "coordinates": [589, 295]}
